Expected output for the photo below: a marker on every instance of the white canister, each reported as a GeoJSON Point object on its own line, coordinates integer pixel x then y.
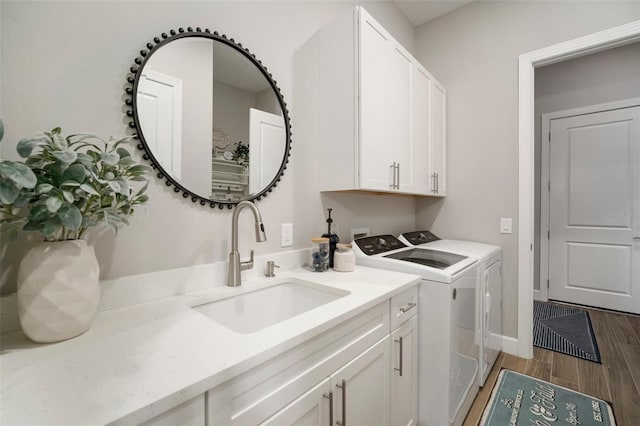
{"type": "Point", "coordinates": [344, 259]}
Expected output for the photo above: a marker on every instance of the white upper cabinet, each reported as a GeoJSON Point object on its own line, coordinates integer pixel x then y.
{"type": "Point", "coordinates": [369, 112]}
{"type": "Point", "coordinates": [438, 140]}
{"type": "Point", "coordinates": [421, 159]}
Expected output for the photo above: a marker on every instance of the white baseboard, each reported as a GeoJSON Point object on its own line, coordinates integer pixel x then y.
{"type": "Point", "coordinates": [510, 345]}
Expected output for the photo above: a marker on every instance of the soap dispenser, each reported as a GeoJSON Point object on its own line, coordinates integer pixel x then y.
{"type": "Point", "coordinates": [333, 239]}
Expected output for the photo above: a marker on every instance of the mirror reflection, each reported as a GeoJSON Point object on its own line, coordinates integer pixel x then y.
{"type": "Point", "coordinates": [211, 119]}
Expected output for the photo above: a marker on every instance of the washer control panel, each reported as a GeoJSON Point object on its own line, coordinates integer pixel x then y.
{"type": "Point", "coordinates": [378, 244]}
{"type": "Point", "coordinates": [420, 237]}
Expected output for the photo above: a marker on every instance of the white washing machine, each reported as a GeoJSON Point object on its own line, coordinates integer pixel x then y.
{"type": "Point", "coordinates": [489, 299]}
{"type": "Point", "coordinates": [448, 350]}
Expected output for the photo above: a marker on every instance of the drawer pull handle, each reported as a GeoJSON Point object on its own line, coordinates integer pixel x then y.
{"type": "Point", "coordinates": [329, 396]}
{"type": "Point", "coordinates": [399, 369]}
{"type": "Point", "coordinates": [407, 307]}
{"type": "Point", "coordinates": [343, 387]}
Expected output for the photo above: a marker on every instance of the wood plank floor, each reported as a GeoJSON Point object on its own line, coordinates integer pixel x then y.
{"type": "Point", "coordinates": [616, 380]}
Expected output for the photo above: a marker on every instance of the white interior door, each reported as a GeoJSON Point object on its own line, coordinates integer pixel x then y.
{"type": "Point", "coordinates": [267, 141]}
{"type": "Point", "coordinates": [594, 209]}
{"type": "Point", "coordinates": [159, 101]}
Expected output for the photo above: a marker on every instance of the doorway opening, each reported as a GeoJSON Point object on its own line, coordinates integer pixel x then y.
{"type": "Point", "coordinates": [528, 62]}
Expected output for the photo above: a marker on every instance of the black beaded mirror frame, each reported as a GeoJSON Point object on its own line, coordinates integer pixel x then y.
{"type": "Point", "coordinates": [131, 89]}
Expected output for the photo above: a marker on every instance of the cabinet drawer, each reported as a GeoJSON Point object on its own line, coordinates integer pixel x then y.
{"type": "Point", "coordinates": [404, 306]}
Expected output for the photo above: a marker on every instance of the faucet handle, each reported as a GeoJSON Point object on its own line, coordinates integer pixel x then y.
{"type": "Point", "coordinates": [248, 264]}
{"type": "Point", "coordinates": [270, 271]}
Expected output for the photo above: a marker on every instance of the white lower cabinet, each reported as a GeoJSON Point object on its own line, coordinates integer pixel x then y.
{"type": "Point", "coordinates": [361, 388]}
{"type": "Point", "coordinates": [404, 374]}
{"type": "Point", "coordinates": [345, 376]}
{"type": "Point", "coordinates": [311, 409]}
{"type": "Point", "coordinates": [356, 394]}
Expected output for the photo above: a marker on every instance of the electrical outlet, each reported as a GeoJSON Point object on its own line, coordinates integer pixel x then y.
{"type": "Point", "coordinates": [359, 233]}
{"type": "Point", "coordinates": [287, 235]}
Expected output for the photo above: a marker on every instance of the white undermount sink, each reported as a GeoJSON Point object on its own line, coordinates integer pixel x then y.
{"type": "Point", "coordinates": [260, 308]}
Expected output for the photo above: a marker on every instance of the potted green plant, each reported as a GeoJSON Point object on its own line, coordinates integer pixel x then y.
{"type": "Point", "coordinates": [65, 186]}
{"type": "Point", "coordinates": [241, 154]}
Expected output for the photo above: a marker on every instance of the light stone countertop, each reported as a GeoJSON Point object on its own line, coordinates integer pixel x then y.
{"type": "Point", "coordinates": [138, 361]}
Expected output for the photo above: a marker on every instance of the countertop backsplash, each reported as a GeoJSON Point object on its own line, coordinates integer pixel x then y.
{"type": "Point", "coordinates": [140, 288]}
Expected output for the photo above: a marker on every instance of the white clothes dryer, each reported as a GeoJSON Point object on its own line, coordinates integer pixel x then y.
{"type": "Point", "coordinates": [489, 297]}
{"type": "Point", "coordinates": [448, 350]}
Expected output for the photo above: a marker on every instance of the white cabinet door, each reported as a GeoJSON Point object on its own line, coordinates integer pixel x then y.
{"type": "Point", "coordinates": [404, 374]}
{"type": "Point", "coordinates": [438, 139]}
{"type": "Point", "coordinates": [400, 116]}
{"type": "Point", "coordinates": [421, 126]}
{"type": "Point", "coordinates": [361, 388]}
{"type": "Point", "coordinates": [376, 153]}
{"type": "Point", "coordinates": [386, 86]}
{"type": "Point", "coordinates": [311, 409]}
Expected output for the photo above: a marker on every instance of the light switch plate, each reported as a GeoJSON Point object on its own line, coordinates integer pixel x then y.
{"type": "Point", "coordinates": [287, 235]}
{"type": "Point", "coordinates": [505, 225]}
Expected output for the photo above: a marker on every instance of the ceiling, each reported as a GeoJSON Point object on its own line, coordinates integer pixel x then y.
{"type": "Point", "coordinates": [420, 11]}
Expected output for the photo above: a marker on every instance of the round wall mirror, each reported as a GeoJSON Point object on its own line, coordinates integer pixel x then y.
{"type": "Point", "coordinates": [209, 117]}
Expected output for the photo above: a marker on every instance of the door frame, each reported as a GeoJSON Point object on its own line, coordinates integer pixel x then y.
{"type": "Point", "coordinates": [545, 158]}
{"type": "Point", "coordinates": [603, 40]}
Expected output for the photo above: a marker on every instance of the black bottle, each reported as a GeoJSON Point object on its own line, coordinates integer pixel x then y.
{"type": "Point", "coordinates": [333, 239]}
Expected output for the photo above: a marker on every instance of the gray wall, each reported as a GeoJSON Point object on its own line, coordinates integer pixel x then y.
{"type": "Point", "coordinates": [474, 52]}
{"type": "Point", "coordinates": [602, 77]}
{"type": "Point", "coordinates": [65, 63]}
{"type": "Point", "coordinates": [231, 112]}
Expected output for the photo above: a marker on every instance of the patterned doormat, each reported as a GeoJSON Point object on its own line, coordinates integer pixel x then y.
{"type": "Point", "coordinates": [517, 399]}
{"type": "Point", "coordinates": [564, 329]}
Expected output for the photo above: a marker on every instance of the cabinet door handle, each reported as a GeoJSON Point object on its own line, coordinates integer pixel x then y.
{"type": "Point", "coordinates": [399, 369]}
{"type": "Point", "coordinates": [433, 183]}
{"type": "Point", "coordinates": [392, 175]}
{"type": "Point", "coordinates": [343, 386]}
{"type": "Point", "coordinates": [398, 176]}
{"type": "Point", "coordinates": [407, 307]}
{"type": "Point", "coordinates": [437, 183]}
{"type": "Point", "coordinates": [329, 396]}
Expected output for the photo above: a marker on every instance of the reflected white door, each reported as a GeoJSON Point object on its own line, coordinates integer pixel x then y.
{"type": "Point", "coordinates": [159, 101]}
{"type": "Point", "coordinates": [594, 243]}
{"type": "Point", "coordinates": [267, 141]}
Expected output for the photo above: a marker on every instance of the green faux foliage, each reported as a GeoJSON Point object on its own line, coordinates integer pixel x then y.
{"type": "Point", "coordinates": [241, 154]}
{"type": "Point", "coordinates": [67, 185]}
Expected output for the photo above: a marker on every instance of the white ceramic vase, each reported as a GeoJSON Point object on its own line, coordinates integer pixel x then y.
{"type": "Point", "coordinates": [58, 290]}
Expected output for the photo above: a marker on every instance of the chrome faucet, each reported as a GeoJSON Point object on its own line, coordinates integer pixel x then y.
{"type": "Point", "coordinates": [234, 278]}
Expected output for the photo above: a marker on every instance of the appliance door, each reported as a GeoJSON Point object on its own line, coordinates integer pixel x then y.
{"type": "Point", "coordinates": [465, 348]}
{"type": "Point", "coordinates": [492, 316]}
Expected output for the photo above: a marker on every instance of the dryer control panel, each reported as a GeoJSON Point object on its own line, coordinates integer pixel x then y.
{"type": "Point", "coordinates": [420, 237]}
{"type": "Point", "coordinates": [378, 244]}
